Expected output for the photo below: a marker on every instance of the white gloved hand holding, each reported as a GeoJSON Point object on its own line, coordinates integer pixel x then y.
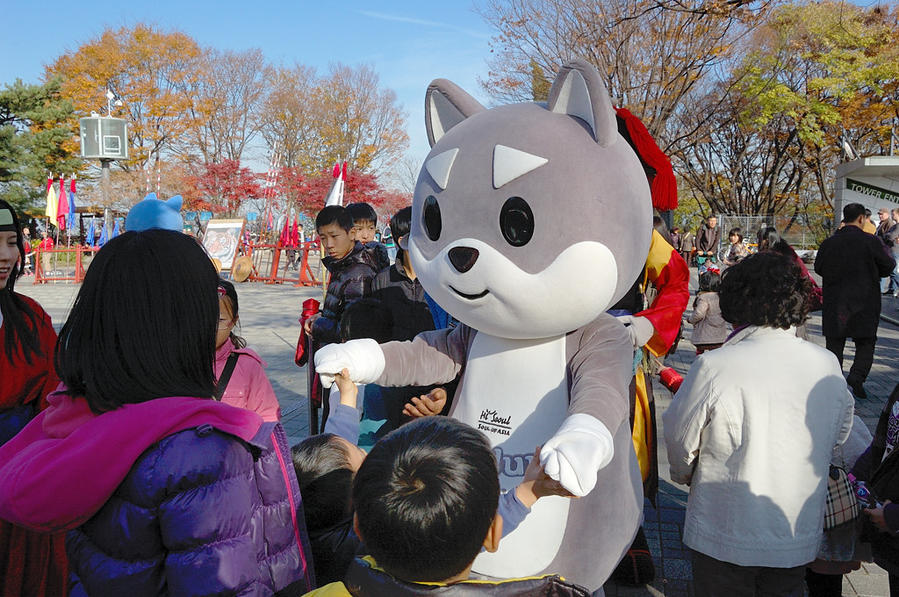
{"type": "Point", "coordinates": [640, 329]}
{"type": "Point", "coordinates": [579, 449]}
{"type": "Point", "coordinates": [363, 358]}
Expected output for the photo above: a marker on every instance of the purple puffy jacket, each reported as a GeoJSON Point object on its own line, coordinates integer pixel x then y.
{"type": "Point", "coordinates": [226, 519]}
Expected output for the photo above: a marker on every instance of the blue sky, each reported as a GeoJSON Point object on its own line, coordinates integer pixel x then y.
{"type": "Point", "coordinates": [409, 43]}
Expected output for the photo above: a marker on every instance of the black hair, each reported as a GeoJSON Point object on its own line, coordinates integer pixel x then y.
{"type": "Point", "coordinates": [770, 240]}
{"type": "Point", "coordinates": [334, 214]}
{"type": "Point", "coordinates": [765, 289]}
{"type": "Point", "coordinates": [425, 497]}
{"type": "Point", "coordinates": [709, 281]}
{"type": "Point", "coordinates": [325, 478]}
{"type": "Point", "coordinates": [143, 325]}
{"type": "Point", "coordinates": [362, 212]}
{"type": "Point", "coordinates": [400, 225]}
{"type": "Point", "coordinates": [366, 318]}
{"type": "Point", "coordinates": [659, 225]}
{"type": "Point", "coordinates": [853, 211]}
{"type": "Point", "coordinates": [738, 232]}
{"type": "Point", "coordinates": [20, 320]}
{"type": "Point", "coordinates": [230, 296]}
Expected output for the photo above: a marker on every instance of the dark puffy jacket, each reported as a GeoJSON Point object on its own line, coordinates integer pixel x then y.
{"type": "Point", "coordinates": [173, 522]}
{"type": "Point", "coordinates": [333, 549]}
{"type": "Point", "coordinates": [351, 279]}
{"type": "Point", "coordinates": [406, 300]}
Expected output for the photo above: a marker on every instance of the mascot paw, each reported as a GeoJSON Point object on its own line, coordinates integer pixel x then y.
{"type": "Point", "coordinates": [639, 328]}
{"type": "Point", "coordinates": [580, 448]}
{"type": "Point", "coordinates": [363, 358]}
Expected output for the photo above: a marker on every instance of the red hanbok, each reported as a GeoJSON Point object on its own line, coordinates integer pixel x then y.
{"type": "Point", "coordinates": [32, 564]}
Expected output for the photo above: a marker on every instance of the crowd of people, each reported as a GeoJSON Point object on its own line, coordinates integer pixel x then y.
{"type": "Point", "coordinates": [141, 451]}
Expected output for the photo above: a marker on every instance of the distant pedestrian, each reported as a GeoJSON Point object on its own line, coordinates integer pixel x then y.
{"type": "Point", "coordinates": [687, 246]}
{"type": "Point", "coordinates": [851, 264]}
{"type": "Point", "coordinates": [709, 328]}
{"type": "Point", "coordinates": [707, 241]}
{"type": "Point", "coordinates": [888, 232]}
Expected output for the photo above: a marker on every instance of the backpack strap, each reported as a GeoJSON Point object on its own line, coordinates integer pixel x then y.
{"type": "Point", "coordinates": [226, 375]}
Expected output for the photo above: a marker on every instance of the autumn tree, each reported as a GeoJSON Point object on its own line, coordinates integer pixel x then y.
{"type": "Point", "coordinates": [221, 188]}
{"type": "Point", "coordinates": [312, 121]}
{"type": "Point", "coordinates": [154, 73]}
{"type": "Point", "coordinates": [230, 91]}
{"type": "Point", "coordinates": [651, 53]}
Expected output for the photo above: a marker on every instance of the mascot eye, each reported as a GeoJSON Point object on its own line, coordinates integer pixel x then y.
{"type": "Point", "coordinates": [516, 220]}
{"type": "Point", "coordinates": [431, 218]}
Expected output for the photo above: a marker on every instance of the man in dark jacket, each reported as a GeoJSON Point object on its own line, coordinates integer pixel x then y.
{"type": "Point", "coordinates": [888, 232]}
{"type": "Point", "coordinates": [851, 263]}
{"type": "Point", "coordinates": [707, 239]}
{"type": "Point", "coordinates": [352, 270]}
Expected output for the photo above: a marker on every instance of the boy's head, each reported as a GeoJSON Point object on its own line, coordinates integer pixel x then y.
{"type": "Point", "coordinates": [709, 281]}
{"type": "Point", "coordinates": [325, 465]}
{"type": "Point", "coordinates": [400, 224]}
{"type": "Point", "coordinates": [365, 221]}
{"type": "Point", "coordinates": [334, 226]}
{"type": "Point", "coordinates": [426, 498]}
{"type": "Point", "coordinates": [366, 318]}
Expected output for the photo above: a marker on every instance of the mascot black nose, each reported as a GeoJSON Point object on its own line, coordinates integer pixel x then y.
{"type": "Point", "coordinates": [463, 258]}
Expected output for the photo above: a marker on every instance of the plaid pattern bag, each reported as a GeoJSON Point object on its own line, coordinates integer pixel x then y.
{"type": "Point", "coordinates": [841, 505]}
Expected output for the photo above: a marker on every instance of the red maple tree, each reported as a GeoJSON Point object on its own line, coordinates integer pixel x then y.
{"type": "Point", "coordinates": [221, 188]}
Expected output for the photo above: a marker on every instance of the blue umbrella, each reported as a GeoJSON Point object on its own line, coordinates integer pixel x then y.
{"type": "Point", "coordinates": [104, 235]}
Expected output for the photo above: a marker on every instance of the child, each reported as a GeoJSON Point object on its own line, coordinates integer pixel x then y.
{"type": "Point", "coordinates": [241, 381]}
{"type": "Point", "coordinates": [426, 501]}
{"type": "Point", "coordinates": [737, 249]}
{"type": "Point", "coordinates": [709, 328]}
{"type": "Point", "coordinates": [352, 270]}
{"type": "Point", "coordinates": [161, 489]}
{"type": "Point", "coordinates": [365, 224]}
{"type": "Point", "coordinates": [400, 291]}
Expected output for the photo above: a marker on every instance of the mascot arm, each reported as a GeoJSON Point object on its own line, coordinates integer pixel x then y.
{"type": "Point", "coordinates": [669, 273]}
{"type": "Point", "coordinates": [599, 373]}
{"type": "Point", "coordinates": [434, 357]}
{"type": "Point", "coordinates": [363, 358]}
{"type": "Point", "coordinates": [685, 420]}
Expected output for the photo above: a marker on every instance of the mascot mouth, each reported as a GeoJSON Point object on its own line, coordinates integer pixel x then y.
{"type": "Point", "coordinates": [470, 297]}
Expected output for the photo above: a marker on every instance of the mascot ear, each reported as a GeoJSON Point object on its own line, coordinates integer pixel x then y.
{"type": "Point", "coordinates": [578, 91]}
{"type": "Point", "coordinates": [446, 105]}
{"type": "Point", "coordinates": [174, 202]}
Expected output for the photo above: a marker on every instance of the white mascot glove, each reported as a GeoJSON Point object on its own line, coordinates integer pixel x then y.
{"type": "Point", "coordinates": [639, 328]}
{"type": "Point", "coordinates": [363, 358]}
{"type": "Point", "coordinates": [579, 449]}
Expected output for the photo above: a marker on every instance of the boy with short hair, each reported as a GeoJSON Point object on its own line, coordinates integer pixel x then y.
{"type": "Point", "coordinates": [351, 268]}
{"type": "Point", "coordinates": [425, 502]}
{"type": "Point", "coordinates": [365, 225]}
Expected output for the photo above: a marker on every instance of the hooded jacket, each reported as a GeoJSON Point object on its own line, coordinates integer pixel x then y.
{"type": "Point", "coordinates": [248, 386]}
{"type": "Point", "coordinates": [174, 496]}
{"type": "Point", "coordinates": [351, 278]}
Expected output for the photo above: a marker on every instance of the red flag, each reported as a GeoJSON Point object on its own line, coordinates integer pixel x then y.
{"type": "Point", "coordinates": [336, 171]}
{"type": "Point", "coordinates": [62, 208]}
{"type": "Point", "coordinates": [49, 181]}
{"type": "Point", "coordinates": [72, 184]}
{"type": "Point", "coordinates": [295, 234]}
{"type": "Point", "coordinates": [285, 234]}
{"type": "Point", "coordinates": [344, 170]}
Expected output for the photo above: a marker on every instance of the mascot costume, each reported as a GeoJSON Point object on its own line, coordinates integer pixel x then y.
{"type": "Point", "coordinates": [528, 222]}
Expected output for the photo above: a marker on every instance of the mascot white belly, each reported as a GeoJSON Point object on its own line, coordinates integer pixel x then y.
{"type": "Point", "coordinates": [515, 392]}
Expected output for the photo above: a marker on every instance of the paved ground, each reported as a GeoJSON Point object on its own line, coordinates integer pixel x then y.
{"type": "Point", "coordinates": [269, 323]}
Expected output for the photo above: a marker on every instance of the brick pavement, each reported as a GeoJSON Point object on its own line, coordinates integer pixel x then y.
{"type": "Point", "coordinates": [269, 323]}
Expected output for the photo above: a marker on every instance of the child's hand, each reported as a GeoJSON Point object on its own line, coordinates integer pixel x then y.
{"type": "Point", "coordinates": [537, 484]}
{"type": "Point", "coordinates": [307, 325]}
{"type": "Point", "coordinates": [877, 517]}
{"type": "Point", "coordinates": [348, 390]}
{"type": "Point", "coordinates": [426, 406]}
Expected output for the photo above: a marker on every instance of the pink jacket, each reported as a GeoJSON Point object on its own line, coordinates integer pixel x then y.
{"type": "Point", "coordinates": [248, 387]}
